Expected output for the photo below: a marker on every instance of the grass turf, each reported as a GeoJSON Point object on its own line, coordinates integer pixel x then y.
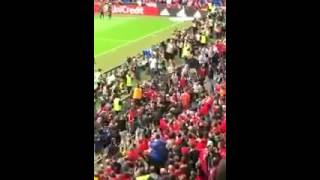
{"type": "Point", "coordinates": [122, 36]}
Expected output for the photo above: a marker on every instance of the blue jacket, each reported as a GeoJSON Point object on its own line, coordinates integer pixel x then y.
{"type": "Point", "coordinates": [217, 2]}
{"type": "Point", "coordinates": [159, 152]}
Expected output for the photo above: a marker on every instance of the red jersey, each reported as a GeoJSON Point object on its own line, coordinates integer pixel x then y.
{"type": "Point", "coordinates": [202, 72]}
{"type": "Point", "coordinates": [102, 110]}
{"type": "Point", "coordinates": [165, 135]}
{"type": "Point", "coordinates": [150, 94]}
{"type": "Point", "coordinates": [209, 100]}
{"type": "Point", "coordinates": [217, 88]}
{"type": "Point", "coordinates": [195, 120]}
{"type": "Point", "coordinates": [192, 141]}
{"type": "Point", "coordinates": [185, 100]}
{"type": "Point", "coordinates": [216, 130]}
{"type": "Point", "coordinates": [101, 177]}
{"type": "Point", "coordinates": [178, 141]}
{"type": "Point", "coordinates": [182, 82]}
{"type": "Point", "coordinates": [131, 116]}
{"type": "Point", "coordinates": [216, 108]}
{"type": "Point", "coordinates": [221, 47]}
{"type": "Point", "coordinates": [177, 172]}
{"type": "Point", "coordinates": [163, 124]}
{"type": "Point", "coordinates": [143, 145]}
{"type": "Point", "coordinates": [201, 145]}
{"type": "Point", "coordinates": [204, 109]}
{"type": "Point", "coordinates": [175, 127]}
{"type": "Point", "coordinates": [184, 150]}
{"type": "Point", "coordinates": [173, 99]}
{"type": "Point", "coordinates": [223, 152]}
{"type": "Point", "coordinates": [205, 106]}
{"type": "Point", "coordinates": [125, 177]}
{"type": "Point", "coordinates": [223, 127]}
{"type": "Point", "coordinates": [203, 163]}
{"type": "Point", "coordinates": [108, 170]}
{"type": "Point", "coordinates": [132, 155]}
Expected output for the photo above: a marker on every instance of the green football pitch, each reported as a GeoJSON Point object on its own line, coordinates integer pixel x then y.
{"type": "Point", "coordinates": [123, 36]}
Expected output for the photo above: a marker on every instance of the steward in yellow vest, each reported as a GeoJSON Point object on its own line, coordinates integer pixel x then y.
{"type": "Point", "coordinates": [121, 85]}
{"type": "Point", "coordinates": [143, 177]}
{"type": "Point", "coordinates": [203, 39]}
{"type": "Point", "coordinates": [117, 104]}
{"type": "Point", "coordinates": [129, 82]}
{"type": "Point", "coordinates": [209, 7]}
{"type": "Point", "coordinates": [137, 93]}
{"type": "Point", "coordinates": [186, 50]}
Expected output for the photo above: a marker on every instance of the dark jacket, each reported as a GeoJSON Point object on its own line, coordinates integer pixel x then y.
{"type": "Point", "coordinates": [210, 73]}
{"type": "Point", "coordinates": [221, 170]}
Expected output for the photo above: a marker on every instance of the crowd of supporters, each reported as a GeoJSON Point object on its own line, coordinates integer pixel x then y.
{"type": "Point", "coordinates": [172, 126]}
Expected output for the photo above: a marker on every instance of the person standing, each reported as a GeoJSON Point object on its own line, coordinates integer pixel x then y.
{"type": "Point", "coordinates": [137, 94]}
{"type": "Point", "coordinates": [210, 78]}
{"type": "Point", "coordinates": [153, 63]}
{"type": "Point", "coordinates": [169, 50]}
{"type": "Point", "coordinates": [171, 67]}
{"type": "Point", "coordinates": [203, 39]}
{"type": "Point", "coordinates": [159, 153]}
{"type": "Point", "coordinates": [202, 73]}
{"type": "Point", "coordinates": [129, 82]}
{"type": "Point", "coordinates": [221, 170]}
{"type": "Point", "coordinates": [101, 9]}
{"type": "Point", "coordinates": [117, 104]}
{"type": "Point", "coordinates": [218, 30]}
{"type": "Point", "coordinates": [185, 100]}
{"type": "Point", "coordinates": [110, 10]}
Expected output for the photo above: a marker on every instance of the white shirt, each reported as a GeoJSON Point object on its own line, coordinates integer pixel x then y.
{"type": "Point", "coordinates": [210, 52]}
{"type": "Point", "coordinates": [197, 88]}
{"type": "Point", "coordinates": [215, 49]}
{"type": "Point", "coordinates": [210, 22]}
{"type": "Point", "coordinates": [170, 69]}
{"type": "Point", "coordinates": [202, 59]}
{"type": "Point", "coordinates": [207, 32]}
{"type": "Point", "coordinates": [153, 63]}
{"type": "Point", "coordinates": [104, 90]}
{"type": "Point", "coordinates": [205, 50]}
{"type": "Point", "coordinates": [184, 71]}
{"type": "Point", "coordinates": [194, 24]}
{"type": "Point", "coordinates": [97, 76]}
{"type": "Point", "coordinates": [110, 79]}
{"type": "Point", "coordinates": [169, 48]}
{"type": "Point", "coordinates": [198, 37]}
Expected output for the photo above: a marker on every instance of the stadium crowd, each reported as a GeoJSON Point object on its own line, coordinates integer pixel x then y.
{"type": "Point", "coordinates": [174, 125]}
